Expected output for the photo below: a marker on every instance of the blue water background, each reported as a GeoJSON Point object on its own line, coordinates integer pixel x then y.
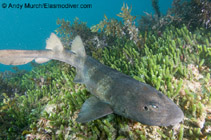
{"type": "Point", "coordinates": [29, 28]}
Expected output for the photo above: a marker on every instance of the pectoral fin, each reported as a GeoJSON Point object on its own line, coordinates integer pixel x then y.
{"type": "Point", "coordinates": [93, 109]}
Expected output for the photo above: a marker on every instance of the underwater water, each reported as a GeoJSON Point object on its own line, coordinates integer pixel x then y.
{"type": "Point", "coordinates": [28, 28]}
{"type": "Point", "coordinates": [140, 70]}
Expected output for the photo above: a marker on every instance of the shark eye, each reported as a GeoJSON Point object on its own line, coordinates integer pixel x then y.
{"type": "Point", "coordinates": [154, 106]}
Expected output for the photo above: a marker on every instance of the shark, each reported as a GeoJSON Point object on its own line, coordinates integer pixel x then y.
{"type": "Point", "coordinates": [111, 91]}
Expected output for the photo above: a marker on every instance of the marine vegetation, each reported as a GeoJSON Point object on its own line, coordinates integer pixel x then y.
{"type": "Point", "coordinates": [13, 79]}
{"type": "Point", "coordinates": [192, 13]}
{"type": "Point", "coordinates": [68, 31]}
{"type": "Point", "coordinates": [176, 62]}
{"type": "Point", "coordinates": [156, 7]}
{"type": "Point", "coordinates": [119, 29]}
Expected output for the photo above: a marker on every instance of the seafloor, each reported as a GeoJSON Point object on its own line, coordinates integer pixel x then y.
{"type": "Point", "coordinates": [44, 102]}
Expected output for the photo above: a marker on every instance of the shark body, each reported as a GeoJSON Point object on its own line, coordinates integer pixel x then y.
{"type": "Point", "coordinates": [113, 92]}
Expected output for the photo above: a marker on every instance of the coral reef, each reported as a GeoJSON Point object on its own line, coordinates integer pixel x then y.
{"type": "Point", "coordinates": [176, 62]}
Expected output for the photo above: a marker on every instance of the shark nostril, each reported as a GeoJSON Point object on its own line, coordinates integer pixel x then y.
{"type": "Point", "coordinates": [146, 108]}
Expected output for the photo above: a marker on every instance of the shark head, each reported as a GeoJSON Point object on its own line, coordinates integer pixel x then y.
{"type": "Point", "coordinates": [151, 107]}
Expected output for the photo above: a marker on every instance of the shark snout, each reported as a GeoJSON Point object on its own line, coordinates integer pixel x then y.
{"type": "Point", "coordinates": [174, 117]}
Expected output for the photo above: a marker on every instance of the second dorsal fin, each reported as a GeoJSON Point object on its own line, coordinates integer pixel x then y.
{"type": "Point", "coordinates": [54, 43]}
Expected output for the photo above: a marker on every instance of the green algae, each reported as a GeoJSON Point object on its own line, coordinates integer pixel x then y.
{"type": "Point", "coordinates": [47, 101]}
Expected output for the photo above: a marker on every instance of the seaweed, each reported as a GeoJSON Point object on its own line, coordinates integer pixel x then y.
{"type": "Point", "coordinates": [176, 62]}
{"type": "Point", "coordinates": [193, 13]}
{"type": "Point", "coordinates": [119, 29]}
{"type": "Point", "coordinates": [156, 7]}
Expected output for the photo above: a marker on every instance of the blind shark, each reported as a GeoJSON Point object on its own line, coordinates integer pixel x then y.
{"type": "Point", "coordinates": [112, 91]}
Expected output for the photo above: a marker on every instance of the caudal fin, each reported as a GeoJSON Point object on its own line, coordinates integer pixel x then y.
{"type": "Point", "coordinates": [54, 50]}
{"type": "Point", "coordinates": [20, 57]}
{"type": "Point", "coordinates": [14, 61]}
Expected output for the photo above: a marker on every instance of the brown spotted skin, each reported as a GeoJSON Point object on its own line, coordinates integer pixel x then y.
{"type": "Point", "coordinates": [128, 97]}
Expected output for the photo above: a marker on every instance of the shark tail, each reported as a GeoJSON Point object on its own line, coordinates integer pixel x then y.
{"type": "Point", "coordinates": [54, 50]}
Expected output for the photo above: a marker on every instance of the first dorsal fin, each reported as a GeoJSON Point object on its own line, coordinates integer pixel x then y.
{"type": "Point", "coordinates": [78, 47]}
